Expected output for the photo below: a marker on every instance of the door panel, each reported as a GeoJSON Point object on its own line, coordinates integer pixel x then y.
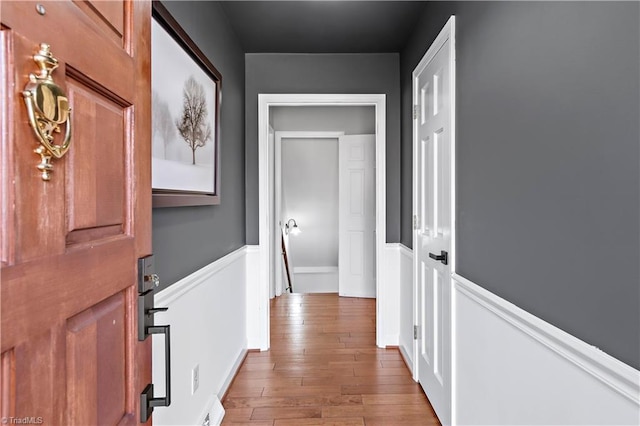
{"type": "Point", "coordinates": [109, 16]}
{"type": "Point", "coordinates": [356, 217]}
{"type": "Point", "coordinates": [432, 235]}
{"type": "Point", "coordinates": [70, 245]}
{"type": "Point", "coordinates": [96, 115]}
{"type": "Point", "coordinates": [96, 391]}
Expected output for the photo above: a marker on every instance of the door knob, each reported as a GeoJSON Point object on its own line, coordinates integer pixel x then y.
{"type": "Point", "coordinates": [442, 257]}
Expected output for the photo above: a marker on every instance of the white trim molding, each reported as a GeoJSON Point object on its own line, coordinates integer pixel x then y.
{"type": "Point", "coordinates": [187, 284]}
{"type": "Point", "coordinates": [520, 363]}
{"type": "Point", "coordinates": [262, 285]}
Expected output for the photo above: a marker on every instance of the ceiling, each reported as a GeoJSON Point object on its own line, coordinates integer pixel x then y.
{"type": "Point", "coordinates": [323, 26]}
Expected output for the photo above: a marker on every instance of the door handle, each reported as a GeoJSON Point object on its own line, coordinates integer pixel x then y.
{"type": "Point", "coordinates": [147, 282]}
{"type": "Point", "coordinates": [442, 257]}
{"type": "Point", "coordinates": [147, 401]}
{"type": "Point", "coordinates": [146, 327]}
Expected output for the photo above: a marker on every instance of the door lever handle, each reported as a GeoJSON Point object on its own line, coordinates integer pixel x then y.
{"type": "Point", "coordinates": [442, 257]}
{"type": "Point", "coordinates": [147, 400]}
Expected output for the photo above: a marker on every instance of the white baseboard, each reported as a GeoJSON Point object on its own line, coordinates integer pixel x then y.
{"type": "Point", "coordinates": [232, 373]}
{"type": "Point", "coordinates": [512, 367]}
{"type": "Point", "coordinates": [408, 359]}
{"type": "Point", "coordinates": [217, 412]}
{"type": "Point", "coordinates": [214, 411]}
{"type": "Point", "coordinates": [315, 269]}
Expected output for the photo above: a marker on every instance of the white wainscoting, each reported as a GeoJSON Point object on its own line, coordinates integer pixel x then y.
{"type": "Point", "coordinates": [257, 300]}
{"type": "Point", "coordinates": [207, 313]}
{"type": "Point", "coordinates": [315, 279]}
{"type": "Point", "coordinates": [387, 302]}
{"type": "Point", "coordinates": [512, 368]}
{"type": "Point", "coordinates": [406, 305]}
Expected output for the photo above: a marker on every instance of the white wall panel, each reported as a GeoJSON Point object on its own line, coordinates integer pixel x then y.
{"type": "Point", "coordinates": [405, 304]}
{"type": "Point", "coordinates": [513, 368]}
{"type": "Point", "coordinates": [316, 279]}
{"type": "Point", "coordinates": [207, 313]}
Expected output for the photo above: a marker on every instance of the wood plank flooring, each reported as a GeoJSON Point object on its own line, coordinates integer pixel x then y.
{"type": "Point", "coordinates": [324, 368]}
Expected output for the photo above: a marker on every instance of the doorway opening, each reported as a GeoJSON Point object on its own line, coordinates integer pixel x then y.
{"type": "Point", "coordinates": [268, 233]}
{"type": "Point", "coordinates": [306, 197]}
{"type": "Point", "coordinates": [324, 211]}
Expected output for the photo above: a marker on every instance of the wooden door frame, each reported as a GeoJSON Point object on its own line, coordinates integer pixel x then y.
{"type": "Point", "coordinates": [261, 325]}
{"type": "Point", "coordinates": [277, 190]}
{"type": "Point", "coordinates": [447, 33]}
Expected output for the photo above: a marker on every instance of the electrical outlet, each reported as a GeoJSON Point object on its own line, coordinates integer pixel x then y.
{"type": "Point", "coordinates": [195, 378]}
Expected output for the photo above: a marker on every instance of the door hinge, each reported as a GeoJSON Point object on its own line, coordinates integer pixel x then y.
{"type": "Point", "coordinates": [415, 112]}
{"type": "Point", "coordinates": [416, 329]}
{"type": "Point", "coordinates": [416, 222]}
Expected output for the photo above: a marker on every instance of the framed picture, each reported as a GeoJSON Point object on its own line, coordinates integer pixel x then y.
{"type": "Point", "coordinates": [185, 105]}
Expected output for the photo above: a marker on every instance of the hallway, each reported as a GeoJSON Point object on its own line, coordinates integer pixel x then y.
{"type": "Point", "coordinates": [324, 368]}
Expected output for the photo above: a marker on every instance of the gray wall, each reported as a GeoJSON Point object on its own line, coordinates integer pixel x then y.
{"type": "Point", "coordinates": [352, 120]}
{"type": "Point", "coordinates": [323, 73]}
{"type": "Point", "coordinates": [187, 238]}
{"type": "Point", "coordinates": [548, 159]}
{"type": "Point", "coordinates": [310, 196]}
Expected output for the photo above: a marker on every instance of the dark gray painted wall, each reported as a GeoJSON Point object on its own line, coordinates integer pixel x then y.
{"type": "Point", "coordinates": [352, 120]}
{"type": "Point", "coordinates": [187, 238]}
{"type": "Point", "coordinates": [323, 73]}
{"type": "Point", "coordinates": [548, 159]}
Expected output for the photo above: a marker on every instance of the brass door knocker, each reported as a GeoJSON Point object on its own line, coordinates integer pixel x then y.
{"type": "Point", "coordinates": [48, 109]}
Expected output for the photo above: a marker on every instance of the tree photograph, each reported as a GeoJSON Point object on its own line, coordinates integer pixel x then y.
{"type": "Point", "coordinates": [163, 129]}
{"type": "Point", "coordinates": [193, 125]}
{"type": "Point", "coordinates": [184, 106]}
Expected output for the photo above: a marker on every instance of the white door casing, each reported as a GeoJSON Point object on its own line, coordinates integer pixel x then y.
{"type": "Point", "coordinates": [356, 216]}
{"type": "Point", "coordinates": [273, 287]}
{"type": "Point", "coordinates": [433, 147]}
{"type": "Point", "coordinates": [258, 321]}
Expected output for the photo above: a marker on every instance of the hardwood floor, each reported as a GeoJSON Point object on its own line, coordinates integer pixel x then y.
{"type": "Point", "coordinates": [324, 368]}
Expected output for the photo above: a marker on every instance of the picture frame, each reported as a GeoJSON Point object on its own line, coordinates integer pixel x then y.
{"type": "Point", "coordinates": [186, 94]}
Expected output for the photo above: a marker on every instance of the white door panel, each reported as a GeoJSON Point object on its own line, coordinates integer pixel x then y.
{"type": "Point", "coordinates": [356, 259]}
{"type": "Point", "coordinates": [433, 127]}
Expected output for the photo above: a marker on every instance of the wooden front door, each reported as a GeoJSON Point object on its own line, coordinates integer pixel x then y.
{"type": "Point", "coordinates": [69, 246]}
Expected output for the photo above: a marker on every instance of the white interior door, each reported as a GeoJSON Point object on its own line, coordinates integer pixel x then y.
{"type": "Point", "coordinates": [356, 216]}
{"type": "Point", "coordinates": [433, 128]}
